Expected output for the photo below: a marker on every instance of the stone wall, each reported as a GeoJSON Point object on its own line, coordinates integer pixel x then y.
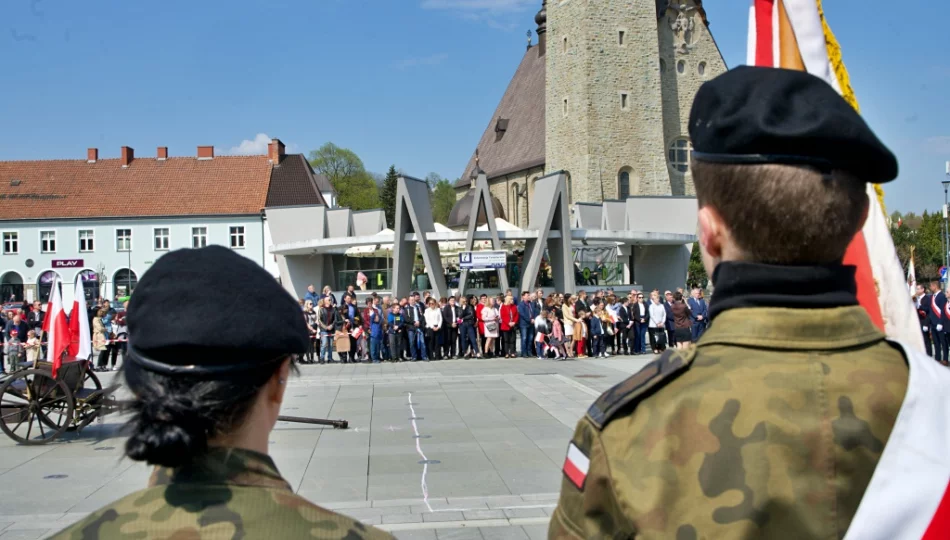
{"type": "Point", "coordinates": [623, 111]}
{"type": "Point", "coordinates": [686, 44]}
{"type": "Point", "coordinates": [503, 188]}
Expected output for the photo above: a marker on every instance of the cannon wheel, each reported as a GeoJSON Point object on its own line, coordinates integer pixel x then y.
{"type": "Point", "coordinates": [89, 380]}
{"type": "Point", "coordinates": [31, 399]}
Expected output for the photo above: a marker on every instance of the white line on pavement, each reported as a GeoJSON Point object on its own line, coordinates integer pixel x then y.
{"type": "Point", "coordinates": [425, 465]}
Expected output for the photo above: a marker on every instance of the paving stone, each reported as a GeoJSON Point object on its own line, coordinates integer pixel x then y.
{"type": "Point", "coordinates": [503, 533]}
{"type": "Point", "coordinates": [484, 514]}
{"type": "Point", "coordinates": [442, 516]}
{"type": "Point", "coordinates": [403, 518]}
{"type": "Point", "coordinates": [419, 534]}
{"type": "Point", "coordinates": [524, 512]}
{"type": "Point", "coordinates": [459, 534]}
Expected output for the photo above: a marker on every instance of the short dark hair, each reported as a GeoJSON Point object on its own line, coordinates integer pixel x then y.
{"type": "Point", "coordinates": [783, 214]}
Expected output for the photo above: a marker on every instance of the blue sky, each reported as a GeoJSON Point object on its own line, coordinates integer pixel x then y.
{"type": "Point", "coordinates": [407, 82]}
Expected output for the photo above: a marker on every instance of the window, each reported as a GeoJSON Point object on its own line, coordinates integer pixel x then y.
{"type": "Point", "coordinates": [237, 237]}
{"type": "Point", "coordinates": [199, 237]}
{"type": "Point", "coordinates": [87, 243]}
{"type": "Point", "coordinates": [623, 184]}
{"type": "Point", "coordinates": [564, 110]}
{"type": "Point", "coordinates": [47, 241]}
{"type": "Point", "coordinates": [11, 243]}
{"type": "Point", "coordinates": [680, 151]}
{"type": "Point", "coordinates": [662, 65]}
{"type": "Point", "coordinates": [565, 44]}
{"type": "Point", "coordinates": [701, 69]}
{"type": "Point", "coordinates": [623, 101]}
{"type": "Point", "coordinates": [620, 37]}
{"type": "Point", "coordinates": [161, 239]}
{"type": "Point", "coordinates": [681, 66]}
{"type": "Point", "coordinates": [123, 239]}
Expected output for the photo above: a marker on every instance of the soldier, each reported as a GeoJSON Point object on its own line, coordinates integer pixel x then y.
{"type": "Point", "coordinates": [208, 391]}
{"type": "Point", "coordinates": [773, 424]}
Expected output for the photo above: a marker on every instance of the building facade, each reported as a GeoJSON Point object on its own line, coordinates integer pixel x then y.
{"type": "Point", "coordinates": [604, 95]}
{"type": "Point", "coordinates": [105, 222]}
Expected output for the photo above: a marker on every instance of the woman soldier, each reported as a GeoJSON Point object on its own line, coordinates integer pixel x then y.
{"type": "Point", "coordinates": [208, 390]}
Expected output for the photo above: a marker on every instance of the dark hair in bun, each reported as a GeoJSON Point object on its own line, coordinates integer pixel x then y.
{"type": "Point", "coordinates": [175, 417]}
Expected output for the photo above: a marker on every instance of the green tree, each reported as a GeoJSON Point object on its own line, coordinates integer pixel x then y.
{"type": "Point", "coordinates": [355, 187]}
{"type": "Point", "coordinates": [443, 199]}
{"type": "Point", "coordinates": [696, 273]}
{"type": "Point", "coordinates": [387, 196]}
{"type": "Point", "coordinates": [924, 234]}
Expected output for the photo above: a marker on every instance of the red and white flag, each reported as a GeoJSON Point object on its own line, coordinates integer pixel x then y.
{"type": "Point", "coordinates": [793, 34]}
{"type": "Point", "coordinates": [576, 465]}
{"type": "Point", "coordinates": [58, 339]}
{"type": "Point", "coordinates": [80, 338]}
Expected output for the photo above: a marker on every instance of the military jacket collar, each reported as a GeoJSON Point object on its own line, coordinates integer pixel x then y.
{"type": "Point", "coordinates": [745, 284]}
{"type": "Point", "coordinates": [227, 466]}
{"type": "Point", "coordinates": [793, 329]}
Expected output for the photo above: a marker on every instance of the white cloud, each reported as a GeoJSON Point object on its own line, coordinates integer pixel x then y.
{"type": "Point", "coordinates": [250, 147]}
{"type": "Point", "coordinates": [432, 60]}
{"type": "Point", "coordinates": [938, 145]}
{"type": "Point", "coordinates": [254, 147]}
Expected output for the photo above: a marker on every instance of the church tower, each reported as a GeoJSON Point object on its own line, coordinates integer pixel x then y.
{"type": "Point", "coordinates": [620, 80]}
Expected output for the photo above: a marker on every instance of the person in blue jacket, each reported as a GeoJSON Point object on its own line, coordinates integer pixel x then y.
{"type": "Point", "coordinates": [526, 317]}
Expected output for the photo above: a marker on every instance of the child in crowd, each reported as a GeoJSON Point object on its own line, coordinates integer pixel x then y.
{"type": "Point", "coordinates": [580, 333]}
{"type": "Point", "coordinates": [597, 333]}
{"type": "Point", "coordinates": [32, 347]}
{"type": "Point", "coordinates": [556, 341]}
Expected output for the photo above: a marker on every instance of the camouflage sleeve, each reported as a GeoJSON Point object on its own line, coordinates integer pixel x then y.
{"type": "Point", "coordinates": [588, 506]}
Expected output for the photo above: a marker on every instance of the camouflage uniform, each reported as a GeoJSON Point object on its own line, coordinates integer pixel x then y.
{"type": "Point", "coordinates": [770, 427]}
{"type": "Point", "coordinates": [228, 494]}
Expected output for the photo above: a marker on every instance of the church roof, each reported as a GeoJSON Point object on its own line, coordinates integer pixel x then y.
{"type": "Point", "coordinates": [514, 138]}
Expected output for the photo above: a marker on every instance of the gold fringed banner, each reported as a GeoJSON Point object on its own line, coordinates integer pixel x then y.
{"type": "Point", "coordinates": [844, 81]}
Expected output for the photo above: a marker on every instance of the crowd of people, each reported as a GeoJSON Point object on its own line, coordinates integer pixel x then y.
{"type": "Point", "coordinates": [421, 327]}
{"type": "Point", "coordinates": [24, 343]}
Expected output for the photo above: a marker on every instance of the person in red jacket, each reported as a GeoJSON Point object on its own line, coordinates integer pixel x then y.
{"type": "Point", "coordinates": [509, 324]}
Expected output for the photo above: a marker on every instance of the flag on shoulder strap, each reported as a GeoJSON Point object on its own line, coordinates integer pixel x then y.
{"type": "Point", "coordinates": [58, 340]}
{"type": "Point", "coordinates": [80, 338]}
{"type": "Point", "coordinates": [793, 34]}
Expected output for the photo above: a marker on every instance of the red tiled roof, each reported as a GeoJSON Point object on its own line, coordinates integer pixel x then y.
{"type": "Point", "coordinates": [178, 186]}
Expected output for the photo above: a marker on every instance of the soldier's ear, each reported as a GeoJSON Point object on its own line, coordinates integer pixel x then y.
{"type": "Point", "coordinates": [712, 232]}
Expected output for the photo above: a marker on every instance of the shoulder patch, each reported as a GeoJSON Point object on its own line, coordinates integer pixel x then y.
{"type": "Point", "coordinates": [667, 367]}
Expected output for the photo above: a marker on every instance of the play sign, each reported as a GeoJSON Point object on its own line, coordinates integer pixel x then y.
{"type": "Point", "coordinates": [67, 263]}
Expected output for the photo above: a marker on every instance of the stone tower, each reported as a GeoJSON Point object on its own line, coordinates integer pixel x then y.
{"type": "Point", "coordinates": [620, 80]}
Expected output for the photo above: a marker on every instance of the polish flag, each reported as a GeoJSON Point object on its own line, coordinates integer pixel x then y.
{"type": "Point", "coordinates": [80, 338]}
{"type": "Point", "coordinates": [58, 339]}
{"type": "Point", "coordinates": [576, 465]}
{"type": "Point", "coordinates": [793, 34]}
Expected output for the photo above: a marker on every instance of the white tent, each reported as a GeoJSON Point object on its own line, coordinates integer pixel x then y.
{"type": "Point", "coordinates": [501, 225]}
{"type": "Point", "coordinates": [377, 250]}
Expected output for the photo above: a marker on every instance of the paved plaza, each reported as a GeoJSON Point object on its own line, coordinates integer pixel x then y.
{"type": "Point", "coordinates": [450, 449]}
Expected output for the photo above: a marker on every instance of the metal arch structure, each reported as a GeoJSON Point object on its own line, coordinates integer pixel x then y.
{"type": "Point", "coordinates": [414, 215]}
{"type": "Point", "coordinates": [482, 200]}
{"type": "Point", "coordinates": [550, 211]}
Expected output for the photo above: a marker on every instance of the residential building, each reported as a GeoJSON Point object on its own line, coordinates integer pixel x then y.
{"type": "Point", "coordinates": [106, 221]}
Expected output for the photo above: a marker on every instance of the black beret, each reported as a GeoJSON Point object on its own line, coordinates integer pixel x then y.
{"type": "Point", "coordinates": [768, 115]}
{"type": "Point", "coordinates": [212, 307]}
